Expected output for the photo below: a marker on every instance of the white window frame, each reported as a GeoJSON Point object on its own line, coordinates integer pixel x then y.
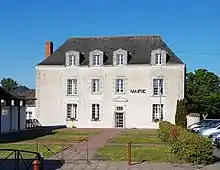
{"type": "Point", "coordinates": [119, 109]}
{"type": "Point", "coordinates": [72, 88]}
{"type": "Point", "coordinates": [71, 111]}
{"type": "Point", "coordinates": [95, 85]}
{"type": "Point", "coordinates": [29, 115]}
{"type": "Point", "coordinates": [158, 59]}
{"type": "Point", "coordinates": [158, 86]}
{"type": "Point", "coordinates": [157, 112]}
{"type": "Point", "coordinates": [96, 60]}
{"type": "Point", "coordinates": [72, 60]}
{"type": "Point", "coordinates": [96, 108]}
{"type": "Point", "coordinates": [119, 59]}
{"type": "Point", "coordinates": [119, 85]}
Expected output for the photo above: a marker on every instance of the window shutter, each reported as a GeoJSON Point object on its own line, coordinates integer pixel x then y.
{"type": "Point", "coordinates": [153, 59]}
{"type": "Point", "coordinates": [101, 58]}
{"type": "Point", "coordinates": [67, 60]}
{"type": "Point", "coordinates": [101, 88]}
{"type": "Point", "coordinates": [114, 80]}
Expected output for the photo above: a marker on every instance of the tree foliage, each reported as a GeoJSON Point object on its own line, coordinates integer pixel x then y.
{"type": "Point", "coordinates": [181, 112]}
{"type": "Point", "coordinates": [203, 92]}
{"type": "Point", "coordinates": [9, 84]}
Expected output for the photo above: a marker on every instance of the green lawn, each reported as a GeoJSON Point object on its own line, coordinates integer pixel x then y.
{"type": "Point", "coordinates": [138, 153]}
{"type": "Point", "coordinates": [53, 141]}
{"type": "Point", "coordinates": [150, 148]}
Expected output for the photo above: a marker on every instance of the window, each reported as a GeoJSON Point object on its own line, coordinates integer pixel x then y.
{"type": "Point", "coordinates": [96, 60]}
{"type": "Point", "coordinates": [119, 108]}
{"type": "Point", "coordinates": [157, 112]}
{"type": "Point", "coordinates": [119, 85]}
{"type": "Point", "coordinates": [71, 86]}
{"type": "Point", "coordinates": [120, 59]}
{"type": "Point", "coordinates": [95, 112]}
{"type": "Point", "coordinates": [28, 115]}
{"type": "Point", "coordinates": [158, 87]}
{"type": "Point", "coordinates": [95, 85]}
{"type": "Point", "coordinates": [72, 60]}
{"type": "Point", "coordinates": [158, 59]}
{"type": "Point", "coordinates": [71, 111]}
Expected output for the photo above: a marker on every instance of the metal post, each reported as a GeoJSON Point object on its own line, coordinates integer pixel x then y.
{"type": "Point", "coordinates": [129, 153]}
{"type": "Point", "coordinates": [87, 151]}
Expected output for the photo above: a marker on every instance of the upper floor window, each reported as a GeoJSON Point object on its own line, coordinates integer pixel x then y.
{"type": "Point", "coordinates": [95, 112]}
{"type": "Point", "coordinates": [158, 59]}
{"type": "Point", "coordinates": [96, 60]}
{"type": "Point", "coordinates": [158, 86]}
{"type": "Point", "coordinates": [72, 87]}
{"type": "Point", "coordinates": [71, 111]}
{"type": "Point", "coordinates": [72, 60]}
{"type": "Point", "coordinates": [120, 59]}
{"type": "Point", "coordinates": [95, 85]}
{"type": "Point", "coordinates": [120, 85]}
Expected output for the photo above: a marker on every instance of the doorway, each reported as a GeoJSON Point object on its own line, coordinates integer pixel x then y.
{"type": "Point", "coordinates": [119, 120]}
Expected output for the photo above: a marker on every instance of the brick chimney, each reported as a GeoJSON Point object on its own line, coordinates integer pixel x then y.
{"type": "Point", "coordinates": [48, 48]}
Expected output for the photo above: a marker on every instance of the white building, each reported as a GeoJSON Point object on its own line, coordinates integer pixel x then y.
{"type": "Point", "coordinates": [12, 112]}
{"type": "Point", "coordinates": [106, 82]}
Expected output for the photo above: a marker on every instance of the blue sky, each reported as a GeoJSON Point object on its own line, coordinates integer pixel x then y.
{"type": "Point", "coordinates": [190, 28]}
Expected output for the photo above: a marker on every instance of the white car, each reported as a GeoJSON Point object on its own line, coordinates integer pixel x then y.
{"type": "Point", "coordinates": [200, 124]}
{"type": "Point", "coordinates": [213, 129]}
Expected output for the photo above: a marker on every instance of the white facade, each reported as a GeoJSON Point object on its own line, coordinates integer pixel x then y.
{"type": "Point", "coordinates": [9, 119]}
{"type": "Point", "coordinates": [137, 107]}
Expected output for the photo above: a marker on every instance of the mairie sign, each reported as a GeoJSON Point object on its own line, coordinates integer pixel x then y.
{"type": "Point", "coordinates": [138, 91]}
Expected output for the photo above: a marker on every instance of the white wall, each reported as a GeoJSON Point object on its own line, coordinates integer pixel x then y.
{"type": "Point", "coordinates": [51, 94]}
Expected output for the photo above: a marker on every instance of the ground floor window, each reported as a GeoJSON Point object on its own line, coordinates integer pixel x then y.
{"type": "Point", "coordinates": [157, 112]}
{"type": "Point", "coordinates": [95, 112]}
{"type": "Point", "coordinates": [28, 115]}
{"type": "Point", "coordinates": [71, 112]}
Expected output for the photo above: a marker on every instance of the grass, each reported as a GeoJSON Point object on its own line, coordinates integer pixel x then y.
{"type": "Point", "coordinates": [138, 153]}
{"type": "Point", "coordinates": [53, 141]}
{"type": "Point", "coordinates": [150, 148]}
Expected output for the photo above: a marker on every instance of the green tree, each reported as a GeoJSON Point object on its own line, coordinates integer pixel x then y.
{"type": "Point", "coordinates": [181, 112]}
{"type": "Point", "coordinates": [9, 84]}
{"type": "Point", "coordinates": [203, 92]}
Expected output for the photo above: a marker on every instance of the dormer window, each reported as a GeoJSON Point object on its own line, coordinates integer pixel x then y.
{"type": "Point", "coordinates": [96, 60]}
{"type": "Point", "coordinates": [158, 59]}
{"type": "Point", "coordinates": [72, 58]}
{"type": "Point", "coordinates": [120, 59]}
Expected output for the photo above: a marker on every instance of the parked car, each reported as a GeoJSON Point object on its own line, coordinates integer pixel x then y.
{"type": "Point", "coordinates": [215, 137]}
{"type": "Point", "coordinates": [205, 125]}
{"type": "Point", "coordinates": [215, 128]}
{"type": "Point", "coordinates": [200, 123]}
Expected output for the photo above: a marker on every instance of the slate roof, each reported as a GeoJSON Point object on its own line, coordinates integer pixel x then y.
{"type": "Point", "coordinates": [6, 95]}
{"type": "Point", "coordinates": [139, 47]}
{"type": "Point", "coordinates": [25, 93]}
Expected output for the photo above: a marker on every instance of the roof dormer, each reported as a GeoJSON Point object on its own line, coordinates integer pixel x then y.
{"type": "Point", "coordinates": [158, 57]}
{"type": "Point", "coordinates": [120, 57]}
{"type": "Point", "coordinates": [96, 58]}
{"type": "Point", "coordinates": [72, 58]}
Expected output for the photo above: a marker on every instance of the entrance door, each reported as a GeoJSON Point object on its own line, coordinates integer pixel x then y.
{"type": "Point", "coordinates": [119, 120]}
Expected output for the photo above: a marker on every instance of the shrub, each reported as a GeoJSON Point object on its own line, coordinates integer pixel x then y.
{"type": "Point", "coordinates": [185, 145]}
{"type": "Point", "coordinates": [181, 112]}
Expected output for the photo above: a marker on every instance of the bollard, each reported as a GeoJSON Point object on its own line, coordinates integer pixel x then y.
{"type": "Point", "coordinates": [129, 153]}
{"type": "Point", "coordinates": [36, 165]}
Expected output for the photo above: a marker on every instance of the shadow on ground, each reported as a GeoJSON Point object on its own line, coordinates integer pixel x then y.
{"type": "Point", "coordinates": [28, 134]}
{"type": "Point", "coordinates": [27, 164]}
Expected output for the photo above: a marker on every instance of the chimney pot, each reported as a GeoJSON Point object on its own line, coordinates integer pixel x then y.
{"type": "Point", "coordinates": [48, 48]}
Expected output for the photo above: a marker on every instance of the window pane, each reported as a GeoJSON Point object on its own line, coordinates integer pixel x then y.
{"type": "Point", "coordinates": [119, 85]}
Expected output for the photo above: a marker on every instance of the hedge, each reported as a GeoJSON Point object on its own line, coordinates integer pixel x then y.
{"type": "Point", "coordinates": [187, 146]}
